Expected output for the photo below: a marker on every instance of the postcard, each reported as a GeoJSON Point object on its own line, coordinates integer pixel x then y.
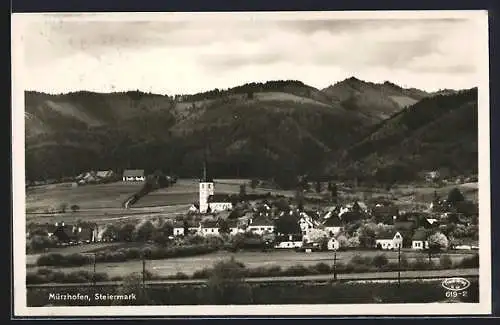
{"type": "Point", "coordinates": [251, 163]}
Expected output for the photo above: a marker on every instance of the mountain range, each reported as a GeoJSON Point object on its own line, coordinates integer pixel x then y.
{"type": "Point", "coordinates": [276, 129]}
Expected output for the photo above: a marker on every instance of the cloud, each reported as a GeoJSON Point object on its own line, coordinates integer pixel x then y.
{"type": "Point", "coordinates": [189, 56]}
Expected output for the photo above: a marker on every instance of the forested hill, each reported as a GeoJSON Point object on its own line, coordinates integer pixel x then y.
{"type": "Point", "coordinates": [439, 132]}
{"type": "Point", "coordinates": [273, 129]}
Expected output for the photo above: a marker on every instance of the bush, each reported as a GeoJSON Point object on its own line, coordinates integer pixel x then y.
{"type": "Point", "coordinates": [124, 254]}
{"type": "Point", "coordinates": [445, 262]}
{"type": "Point", "coordinates": [295, 270]}
{"type": "Point", "coordinates": [323, 268]}
{"type": "Point", "coordinates": [380, 261]}
{"type": "Point", "coordinates": [361, 260]}
{"type": "Point", "coordinates": [469, 262]}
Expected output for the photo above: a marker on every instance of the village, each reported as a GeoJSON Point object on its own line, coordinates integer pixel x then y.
{"type": "Point", "coordinates": [272, 222]}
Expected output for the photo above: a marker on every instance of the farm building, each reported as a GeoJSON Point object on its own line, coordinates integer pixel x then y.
{"type": "Point", "coordinates": [133, 175]}
{"type": "Point", "coordinates": [260, 226]}
{"type": "Point", "coordinates": [290, 241]}
{"type": "Point", "coordinates": [104, 173]}
{"type": "Point", "coordinates": [389, 241]}
{"type": "Point", "coordinates": [333, 225]}
{"type": "Point", "coordinates": [219, 202]}
{"type": "Point", "coordinates": [419, 240]}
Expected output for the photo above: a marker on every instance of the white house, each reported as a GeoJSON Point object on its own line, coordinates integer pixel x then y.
{"type": "Point", "coordinates": [209, 227]}
{"type": "Point", "coordinates": [333, 225]}
{"type": "Point", "coordinates": [133, 175]}
{"type": "Point", "coordinates": [260, 226]}
{"type": "Point", "coordinates": [389, 241]}
{"type": "Point", "coordinates": [291, 242]}
{"type": "Point", "coordinates": [333, 244]}
{"type": "Point", "coordinates": [419, 240]}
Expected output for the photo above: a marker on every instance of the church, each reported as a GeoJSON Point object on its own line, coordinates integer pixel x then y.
{"type": "Point", "coordinates": [208, 200]}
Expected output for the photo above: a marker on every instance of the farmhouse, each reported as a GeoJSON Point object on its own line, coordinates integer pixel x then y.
{"type": "Point", "coordinates": [219, 202]}
{"type": "Point", "coordinates": [209, 227]}
{"type": "Point", "coordinates": [133, 175]}
{"type": "Point", "coordinates": [389, 241]}
{"type": "Point", "coordinates": [260, 226]}
{"type": "Point", "coordinates": [291, 241]}
{"type": "Point", "coordinates": [333, 226]}
{"type": "Point", "coordinates": [419, 240]}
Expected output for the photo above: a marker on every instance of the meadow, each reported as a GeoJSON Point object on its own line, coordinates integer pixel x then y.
{"type": "Point", "coordinates": [282, 258]}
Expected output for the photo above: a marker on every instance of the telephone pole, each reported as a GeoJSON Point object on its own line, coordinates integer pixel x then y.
{"type": "Point", "coordinates": [335, 264]}
{"type": "Point", "coordinates": [399, 265]}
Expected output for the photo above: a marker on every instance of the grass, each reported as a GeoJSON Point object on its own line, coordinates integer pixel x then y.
{"type": "Point", "coordinates": [283, 259]}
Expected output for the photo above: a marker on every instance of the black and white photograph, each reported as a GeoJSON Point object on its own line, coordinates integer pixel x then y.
{"type": "Point", "coordinates": [251, 163]}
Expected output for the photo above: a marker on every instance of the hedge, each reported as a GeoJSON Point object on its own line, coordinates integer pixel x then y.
{"type": "Point", "coordinates": [124, 254]}
{"type": "Point", "coordinates": [355, 265]}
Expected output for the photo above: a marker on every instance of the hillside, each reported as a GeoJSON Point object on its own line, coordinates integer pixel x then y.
{"type": "Point", "coordinates": [251, 130]}
{"type": "Point", "coordinates": [376, 101]}
{"type": "Point", "coordinates": [276, 129]}
{"type": "Point", "coordinates": [437, 132]}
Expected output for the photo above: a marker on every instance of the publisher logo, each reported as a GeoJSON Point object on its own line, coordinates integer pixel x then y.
{"type": "Point", "coordinates": [455, 284]}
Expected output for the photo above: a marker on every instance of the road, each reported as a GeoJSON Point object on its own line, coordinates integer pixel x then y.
{"type": "Point", "coordinates": [352, 277]}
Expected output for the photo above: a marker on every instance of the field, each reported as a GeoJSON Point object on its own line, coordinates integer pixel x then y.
{"type": "Point", "coordinates": [189, 265]}
{"type": "Point", "coordinates": [102, 203]}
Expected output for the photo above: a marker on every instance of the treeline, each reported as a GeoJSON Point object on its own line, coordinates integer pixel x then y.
{"type": "Point", "coordinates": [247, 89]}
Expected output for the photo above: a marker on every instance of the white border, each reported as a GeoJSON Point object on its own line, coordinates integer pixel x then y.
{"type": "Point", "coordinates": [19, 221]}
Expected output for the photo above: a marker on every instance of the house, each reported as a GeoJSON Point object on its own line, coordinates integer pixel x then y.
{"type": "Point", "coordinates": [133, 175]}
{"type": "Point", "coordinates": [104, 173]}
{"type": "Point", "coordinates": [209, 227]}
{"type": "Point", "coordinates": [333, 226]}
{"type": "Point", "coordinates": [392, 240]}
{"type": "Point", "coordinates": [234, 227]}
{"type": "Point", "coordinates": [333, 244]}
{"type": "Point", "coordinates": [219, 202]}
{"type": "Point", "coordinates": [385, 213]}
{"type": "Point", "coordinates": [419, 240]}
{"type": "Point", "coordinates": [290, 242]}
{"type": "Point", "coordinates": [260, 226]}
{"type": "Point", "coordinates": [178, 229]}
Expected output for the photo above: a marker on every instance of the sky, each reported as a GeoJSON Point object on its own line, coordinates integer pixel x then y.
{"type": "Point", "coordinates": [192, 55]}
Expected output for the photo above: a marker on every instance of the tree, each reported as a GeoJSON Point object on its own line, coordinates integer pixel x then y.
{"type": "Point", "coordinates": [380, 261]}
{"type": "Point", "coordinates": [243, 191]}
{"type": "Point", "coordinates": [367, 235]}
{"type": "Point", "coordinates": [185, 225]}
{"type": "Point", "coordinates": [316, 235]}
{"type": "Point", "coordinates": [354, 242]}
{"type": "Point", "coordinates": [62, 207]}
{"type": "Point", "coordinates": [224, 227]}
{"type": "Point", "coordinates": [125, 233]}
{"type": "Point", "coordinates": [74, 208]}
{"type": "Point", "coordinates": [455, 196]}
{"type": "Point", "coordinates": [437, 243]}
{"type": "Point", "coordinates": [254, 183]}
{"type": "Point", "coordinates": [343, 242]}
{"type": "Point", "coordinates": [226, 284]}
{"type": "Point", "coordinates": [332, 188]}
{"type": "Point", "coordinates": [144, 231]}
{"type": "Point", "coordinates": [318, 187]}
{"type": "Point", "coordinates": [299, 198]}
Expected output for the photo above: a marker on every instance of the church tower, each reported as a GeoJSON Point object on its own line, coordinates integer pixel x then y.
{"type": "Point", "coordinates": [206, 189]}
